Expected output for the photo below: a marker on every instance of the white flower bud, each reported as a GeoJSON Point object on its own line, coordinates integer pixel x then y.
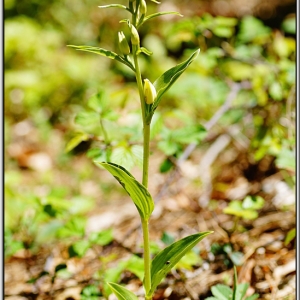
{"type": "Point", "coordinates": [135, 38]}
{"type": "Point", "coordinates": [143, 7]}
{"type": "Point", "coordinates": [149, 92]}
{"type": "Point", "coordinates": [123, 45]}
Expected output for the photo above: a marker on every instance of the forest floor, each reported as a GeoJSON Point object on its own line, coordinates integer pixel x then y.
{"type": "Point", "coordinates": [265, 261]}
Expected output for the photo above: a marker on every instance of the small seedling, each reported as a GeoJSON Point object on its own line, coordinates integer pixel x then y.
{"type": "Point", "coordinates": [150, 95]}
{"type": "Point", "coordinates": [246, 209]}
{"type": "Point", "coordinates": [223, 292]}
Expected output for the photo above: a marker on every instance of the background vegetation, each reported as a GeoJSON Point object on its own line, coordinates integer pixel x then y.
{"type": "Point", "coordinates": [63, 107]}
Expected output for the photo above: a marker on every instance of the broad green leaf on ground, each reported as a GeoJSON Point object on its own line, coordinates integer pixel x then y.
{"type": "Point", "coordinates": [121, 292]}
{"type": "Point", "coordinates": [246, 209]}
{"type": "Point", "coordinates": [170, 256]}
{"type": "Point", "coordinates": [253, 29]}
{"type": "Point", "coordinates": [222, 292]}
{"type": "Point", "coordinates": [101, 238]}
{"type": "Point", "coordinates": [79, 248]}
{"type": "Point", "coordinates": [166, 80]}
{"type": "Point", "coordinates": [290, 236]}
{"type": "Point", "coordinates": [75, 227]}
{"type": "Point", "coordinates": [103, 52]}
{"type": "Point", "coordinates": [253, 202]}
{"type": "Point", "coordinates": [137, 192]}
{"type": "Point", "coordinates": [241, 291]}
{"type": "Point", "coordinates": [252, 297]}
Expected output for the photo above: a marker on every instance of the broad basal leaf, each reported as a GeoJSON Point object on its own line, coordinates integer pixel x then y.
{"type": "Point", "coordinates": [169, 257]}
{"type": "Point", "coordinates": [166, 80]}
{"type": "Point", "coordinates": [121, 292]}
{"type": "Point", "coordinates": [104, 52]}
{"type": "Point", "coordinates": [137, 192]}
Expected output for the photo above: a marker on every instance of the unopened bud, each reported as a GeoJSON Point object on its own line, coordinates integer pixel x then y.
{"type": "Point", "coordinates": [143, 7]}
{"type": "Point", "coordinates": [135, 38]}
{"type": "Point", "coordinates": [149, 92]}
{"type": "Point", "coordinates": [123, 45]}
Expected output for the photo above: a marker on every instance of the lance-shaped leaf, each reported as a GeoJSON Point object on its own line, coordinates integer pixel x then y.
{"type": "Point", "coordinates": [114, 5]}
{"type": "Point", "coordinates": [137, 192]}
{"type": "Point", "coordinates": [144, 50]}
{"type": "Point", "coordinates": [121, 292]}
{"type": "Point", "coordinates": [160, 14]}
{"type": "Point", "coordinates": [104, 52]}
{"type": "Point", "coordinates": [170, 256]}
{"type": "Point", "coordinates": [166, 80]}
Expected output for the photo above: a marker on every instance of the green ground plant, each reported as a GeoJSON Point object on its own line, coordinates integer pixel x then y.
{"type": "Point", "coordinates": [150, 95]}
{"type": "Point", "coordinates": [223, 292]}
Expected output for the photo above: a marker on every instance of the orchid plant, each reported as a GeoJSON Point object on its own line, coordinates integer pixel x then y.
{"type": "Point", "coordinates": [150, 95]}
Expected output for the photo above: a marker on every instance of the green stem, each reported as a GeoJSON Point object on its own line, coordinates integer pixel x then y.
{"type": "Point", "coordinates": [139, 82]}
{"type": "Point", "coordinates": [146, 127]}
{"type": "Point", "coordinates": [146, 153]}
{"type": "Point", "coordinates": [147, 259]}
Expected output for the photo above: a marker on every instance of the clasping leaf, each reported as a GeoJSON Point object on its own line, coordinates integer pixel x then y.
{"type": "Point", "coordinates": [137, 192]}
{"type": "Point", "coordinates": [104, 52]}
{"type": "Point", "coordinates": [121, 292]}
{"type": "Point", "coordinates": [170, 256]}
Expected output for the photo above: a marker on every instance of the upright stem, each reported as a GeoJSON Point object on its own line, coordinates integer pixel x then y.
{"type": "Point", "coordinates": [146, 153]}
{"type": "Point", "coordinates": [147, 259]}
{"type": "Point", "coordinates": [139, 82]}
